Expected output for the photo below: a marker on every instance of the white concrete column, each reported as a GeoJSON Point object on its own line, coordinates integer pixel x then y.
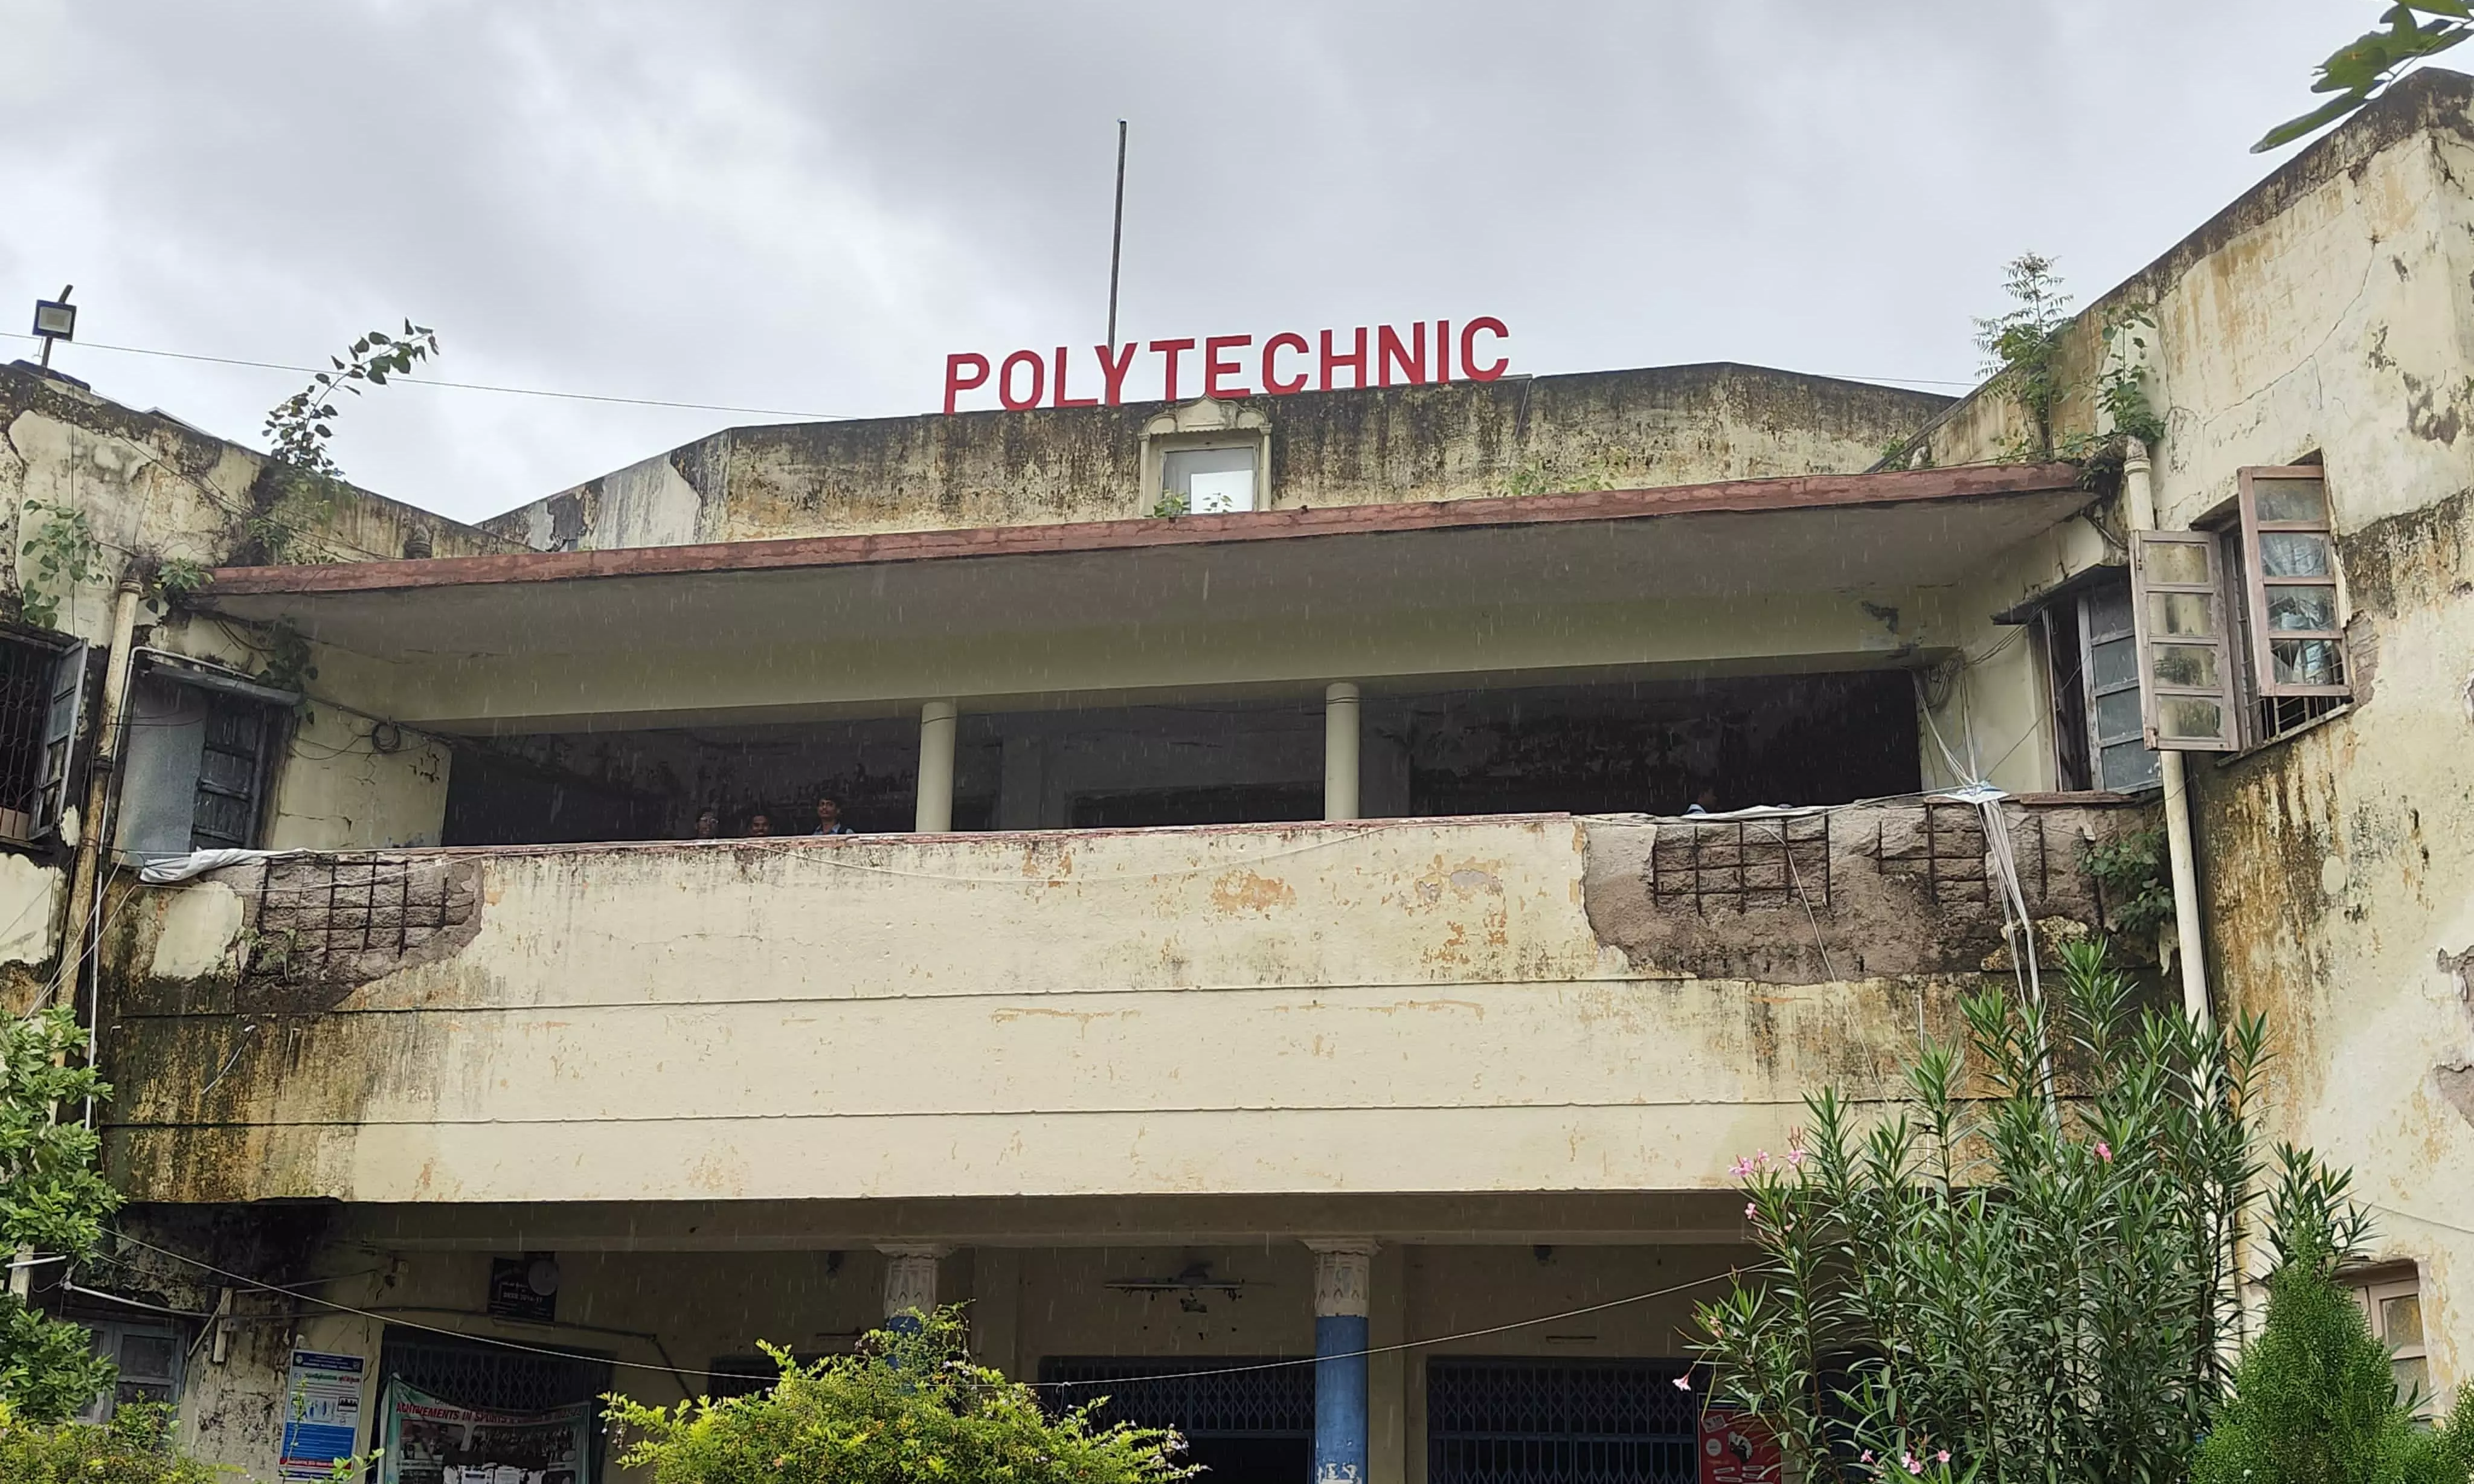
{"type": "Point", "coordinates": [935, 814]}
{"type": "Point", "coordinates": [911, 1280]}
{"type": "Point", "coordinates": [1340, 750]}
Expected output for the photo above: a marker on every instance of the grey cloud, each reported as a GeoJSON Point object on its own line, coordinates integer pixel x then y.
{"type": "Point", "coordinates": [806, 206]}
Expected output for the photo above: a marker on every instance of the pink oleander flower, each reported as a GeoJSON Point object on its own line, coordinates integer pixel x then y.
{"type": "Point", "coordinates": [1795, 1156]}
{"type": "Point", "coordinates": [1762, 1156]}
{"type": "Point", "coordinates": [1751, 1210]}
{"type": "Point", "coordinates": [1915, 1466]}
{"type": "Point", "coordinates": [2104, 1151]}
{"type": "Point", "coordinates": [1868, 1456]}
{"type": "Point", "coordinates": [1683, 1383]}
{"type": "Point", "coordinates": [1942, 1457]}
{"type": "Point", "coordinates": [1742, 1167]}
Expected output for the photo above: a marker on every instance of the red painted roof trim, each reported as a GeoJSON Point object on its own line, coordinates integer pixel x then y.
{"type": "Point", "coordinates": [1798, 493]}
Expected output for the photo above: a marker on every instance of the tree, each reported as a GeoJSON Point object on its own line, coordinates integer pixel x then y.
{"type": "Point", "coordinates": [2357, 71]}
{"type": "Point", "coordinates": [52, 1202]}
{"type": "Point", "coordinates": [2030, 1272]}
{"type": "Point", "coordinates": [909, 1408]}
{"type": "Point", "coordinates": [2314, 1403]}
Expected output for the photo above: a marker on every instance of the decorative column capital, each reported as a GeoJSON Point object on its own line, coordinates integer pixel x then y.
{"type": "Point", "coordinates": [911, 1278]}
{"type": "Point", "coordinates": [1344, 1275]}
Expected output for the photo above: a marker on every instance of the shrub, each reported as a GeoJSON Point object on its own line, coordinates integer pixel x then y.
{"type": "Point", "coordinates": [135, 1448]}
{"type": "Point", "coordinates": [909, 1407]}
{"type": "Point", "coordinates": [2031, 1273]}
{"type": "Point", "coordinates": [2314, 1401]}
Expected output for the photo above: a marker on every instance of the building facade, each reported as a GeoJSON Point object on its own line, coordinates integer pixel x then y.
{"type": "Point", "coordinates": [1365, 921]}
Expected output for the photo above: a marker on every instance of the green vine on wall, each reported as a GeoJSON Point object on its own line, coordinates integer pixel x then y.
{"type": "Point", "coordinates": [2133, 874]}
{"type": "Point", "coordinates": [62, 551]}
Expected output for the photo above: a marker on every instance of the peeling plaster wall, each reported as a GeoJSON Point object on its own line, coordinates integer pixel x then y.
{"type": "Point", "coordinates": [150, 485]}
{"type": "Point", "coordinates": [1614, 429]}
{"type": "Point", "coordinates": [2331, 311]}
{"type": "Point", "coordinates": [1486, 1005]}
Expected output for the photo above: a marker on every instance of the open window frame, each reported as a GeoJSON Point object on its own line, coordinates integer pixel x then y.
{"type": "Point", "coordinates": [2289, 579]}
{"type": "Point", "coordinates": [2188, 691]}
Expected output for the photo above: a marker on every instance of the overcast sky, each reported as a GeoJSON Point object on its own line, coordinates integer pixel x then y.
{"type": "Point", "coordinates": [805, 206]}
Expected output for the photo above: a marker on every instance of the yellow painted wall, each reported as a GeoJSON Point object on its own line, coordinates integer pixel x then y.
{"type": "Point", "coordinates": [2328, 314]}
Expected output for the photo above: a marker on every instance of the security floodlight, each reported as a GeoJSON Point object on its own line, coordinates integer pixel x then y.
{"type": "Point", "coordinates": [55, 321]}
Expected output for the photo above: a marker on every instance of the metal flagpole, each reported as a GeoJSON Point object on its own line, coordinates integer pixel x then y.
{"type": "Point", "coordinates": [1117, 237]}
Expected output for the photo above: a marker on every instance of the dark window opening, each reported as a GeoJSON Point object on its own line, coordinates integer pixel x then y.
{"type": "Point", "coordinates": [1646, 746]}
{"type": "Point", "coordinates": [199, 762]}
{"type": "Point", "coordinates": [2066, 666]}
{"type": "Point", "coordinates": [1660, 747]}
{"type": "Point", "coordinates": [42, 698]}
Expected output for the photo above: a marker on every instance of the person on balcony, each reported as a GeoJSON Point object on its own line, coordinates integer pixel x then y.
{"type": "Point", "coordinates": [760, 824]}
{"type": "Point", "coordinates": [829, 817]}
{"type": "Point", "coordinates": [707, 824]}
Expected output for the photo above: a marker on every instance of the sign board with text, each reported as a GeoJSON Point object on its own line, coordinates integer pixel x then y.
{"type": "Point", "coordinates": [1423, 354]}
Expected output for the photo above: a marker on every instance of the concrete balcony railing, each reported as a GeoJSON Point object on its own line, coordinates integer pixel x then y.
{"type": "Point", "coordinates": [1490, 1003]}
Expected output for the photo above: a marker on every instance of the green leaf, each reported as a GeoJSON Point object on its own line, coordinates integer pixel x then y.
{"type": "Point", "coordinates": [2310, 123]}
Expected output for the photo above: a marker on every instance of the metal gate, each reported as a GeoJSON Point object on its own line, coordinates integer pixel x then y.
{"type": "Point", "coordinates": [1246, 1427]}
{"type": "Point", "coordinates": [1559, 1421]}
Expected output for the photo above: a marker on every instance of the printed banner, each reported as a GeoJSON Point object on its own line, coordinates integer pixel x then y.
{"type": "Point", "coordinates": [1737, 1449]}
{"type": "Point", "coordinates": [429, 1441]}
{"type": "Point", "coordinates": [322, 1415]}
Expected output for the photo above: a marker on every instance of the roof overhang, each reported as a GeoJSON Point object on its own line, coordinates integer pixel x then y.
{"type": "Point", "coordinates": [1449, 566]}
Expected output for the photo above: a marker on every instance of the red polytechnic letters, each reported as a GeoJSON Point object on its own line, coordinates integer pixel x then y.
{"type": "Point", "coordinates": [1423, 354]}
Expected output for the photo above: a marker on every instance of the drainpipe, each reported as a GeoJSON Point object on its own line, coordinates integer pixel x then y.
{"type": "Point", "coordinates": [98, 789]}
{"type": "Point", "coordinates": [2139, 512]}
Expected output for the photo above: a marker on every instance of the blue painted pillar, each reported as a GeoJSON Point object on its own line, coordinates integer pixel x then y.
{"type": "Point", "coordinates": [1342, 1275]}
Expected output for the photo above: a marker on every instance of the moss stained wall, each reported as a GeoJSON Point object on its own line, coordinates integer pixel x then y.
{"type": "Point", "coordinates": [2329, 314]}
{"type": "Point", "coordinates": [1614, 429]}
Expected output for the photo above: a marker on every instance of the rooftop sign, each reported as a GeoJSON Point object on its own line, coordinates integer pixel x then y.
{"type": "Point", "coordinates": [1225, 366]}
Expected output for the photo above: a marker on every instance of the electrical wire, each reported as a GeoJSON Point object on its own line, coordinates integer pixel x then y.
{"type": "Point", "coordinates": [261, 1286]}
{"type": "Point", "coordinates": [690, 406]}
{"type": "Point", "coordinates": [462, 386]}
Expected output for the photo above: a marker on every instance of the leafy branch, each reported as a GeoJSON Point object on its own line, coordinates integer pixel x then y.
{"type": "Point", "coordinates": [2357, 71]}
{"type": "Point", "coordinates": [301, 422]}
{"type": "Point", "coordinates": [64, 552]}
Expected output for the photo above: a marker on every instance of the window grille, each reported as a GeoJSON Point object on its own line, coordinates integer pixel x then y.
{"type": "Point", "coordinates": [2108, 660]}
{"type": "Point", "coordinates": [1277, 1401]}
{"type": "Point", "coordinates": [1549, 1422]}
{"type": "Point", "coordinates": [490, 1377]}
{"type": "Point", "coordinates": [149, 1356]}
{"type": "Point", "coordinates": [25, 704]}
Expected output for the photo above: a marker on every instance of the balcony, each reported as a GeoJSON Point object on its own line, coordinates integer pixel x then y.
{"type": "Point", "coordinates": [1507, 1003]}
